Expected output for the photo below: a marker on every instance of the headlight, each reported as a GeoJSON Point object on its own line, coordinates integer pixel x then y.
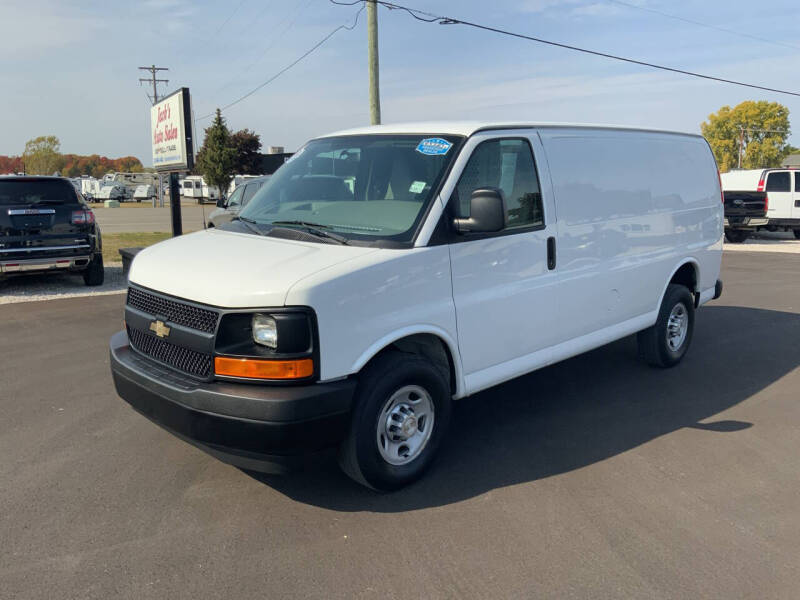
{"type": "Point", "coordinates": [265, 331]}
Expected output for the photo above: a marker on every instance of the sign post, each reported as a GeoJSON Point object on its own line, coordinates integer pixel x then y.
{"type": "Point", "coordinates": [173, 146]}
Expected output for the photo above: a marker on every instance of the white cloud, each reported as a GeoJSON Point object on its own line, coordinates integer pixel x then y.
{"type": "Point", "coordinates": [39, 26]}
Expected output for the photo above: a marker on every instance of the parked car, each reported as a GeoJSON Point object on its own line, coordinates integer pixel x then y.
{"type": "Point", "coordinates": [45, 225]}
{"type": "Point", "coordinates": [326, 314]}
{"type": "Point", "coordinates": [782, 189]}
{"type": "Point", "coordinates": [144, 192]}
{"type": "Point", "coordinates": [228, 208]}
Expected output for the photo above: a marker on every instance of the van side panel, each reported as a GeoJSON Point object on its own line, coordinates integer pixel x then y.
{"type": "Point", "coordinates": [632, 206]}
{"type": "Point", "coordinates": [364, 304]}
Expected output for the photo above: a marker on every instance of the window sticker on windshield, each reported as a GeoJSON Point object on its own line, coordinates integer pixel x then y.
{"type": "Point", "coordinates": [417, 187]}
{"type": "Point", "coordinates": [434, 146]}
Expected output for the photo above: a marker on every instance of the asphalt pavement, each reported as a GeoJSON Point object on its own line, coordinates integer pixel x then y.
{"type": "Point", "coordinates": [137, 219]}
{"type": "Point", "coordinates": [598, 477]}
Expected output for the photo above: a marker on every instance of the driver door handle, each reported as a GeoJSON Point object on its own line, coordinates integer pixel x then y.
{"type": "Point", "coordinates": [551, 253]}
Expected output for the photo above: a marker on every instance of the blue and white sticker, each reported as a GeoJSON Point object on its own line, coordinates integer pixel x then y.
{"type": "Point", "coordinates": [434, 146]}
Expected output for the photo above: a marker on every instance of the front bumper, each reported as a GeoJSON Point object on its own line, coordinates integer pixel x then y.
{"type": "Point", "coordinates": [257, 427]}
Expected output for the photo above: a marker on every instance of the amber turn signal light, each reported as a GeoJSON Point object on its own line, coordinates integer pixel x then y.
{"type": "Point", "coordinates": [252, 368]}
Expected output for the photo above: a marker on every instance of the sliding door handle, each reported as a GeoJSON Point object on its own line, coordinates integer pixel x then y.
{"type": "Point", "coordinates": [551, 253]}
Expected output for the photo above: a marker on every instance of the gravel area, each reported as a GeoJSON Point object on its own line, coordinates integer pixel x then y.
{"type": "Point", "coordinates": [33, 288]}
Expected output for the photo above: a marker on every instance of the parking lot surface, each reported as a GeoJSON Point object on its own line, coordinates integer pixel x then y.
{"type": "Point", "coordinates": [598, 477]}
{"type": "Point", "coordinates": [127, 219]}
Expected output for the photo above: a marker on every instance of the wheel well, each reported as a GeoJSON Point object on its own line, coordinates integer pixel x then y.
{"type": "Point", "coordinates": [686, 276]}
{"type": "Point", "coordinates": [431, 347]}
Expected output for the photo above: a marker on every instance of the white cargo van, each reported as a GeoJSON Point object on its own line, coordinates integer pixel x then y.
{"type": "Point", "coordinates": [384, 272]}
{"type": "Point", "coordinates": [782, 187]}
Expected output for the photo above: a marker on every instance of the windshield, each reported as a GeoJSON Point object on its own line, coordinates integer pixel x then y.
{"type": "Point", "coordinates": [370, 187]}
{"type": "Point", "coordinates": [27, 191]}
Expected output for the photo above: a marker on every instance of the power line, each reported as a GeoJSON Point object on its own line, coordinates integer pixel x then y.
{"type": "Point", "coordinates": [289, 66]}
{"type": "Point", "coordinates": [706, 25]}
{"type": "Point", "coordinates": [230, 16]}
{"type": "Point", "coordinates": [443, 20]}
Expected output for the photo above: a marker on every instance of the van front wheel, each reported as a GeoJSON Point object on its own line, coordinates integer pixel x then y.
{"type": "Point", "coordinates": [401, 412]}
{"type": "Point", "coordinates": [665, 343]}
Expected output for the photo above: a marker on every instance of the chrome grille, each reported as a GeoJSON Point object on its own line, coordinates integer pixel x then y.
{"type": "Point", "coordinates": [177, 357]}
{"type": "Point", "coordinates": [202, 319]}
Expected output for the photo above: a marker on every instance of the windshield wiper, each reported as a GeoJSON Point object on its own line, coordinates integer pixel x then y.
{"type": "Point", "coordinates": [250, 223]}
{"type": "Point", "coordinates": [316, 229]}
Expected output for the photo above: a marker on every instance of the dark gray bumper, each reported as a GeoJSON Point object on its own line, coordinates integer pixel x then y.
{"type": "Point", "coordinates": [258, 427]}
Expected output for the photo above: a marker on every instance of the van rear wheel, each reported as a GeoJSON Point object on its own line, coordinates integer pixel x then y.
{"type": "Point", "coordinates": [665, 343]}
{"type": "Point", "coordinates": [401, 412]}
{"type": "Point", "coordinates": [797, 234]}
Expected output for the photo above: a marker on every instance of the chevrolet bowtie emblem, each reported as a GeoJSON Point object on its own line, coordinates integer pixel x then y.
{"type": "Point", "coordinates": [159, 328]}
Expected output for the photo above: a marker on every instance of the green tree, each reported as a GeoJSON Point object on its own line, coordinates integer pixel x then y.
{"type": "Point", "coordinates": [757, 129]}
{"type": "Point", "coordinates": [42, 155]}
{"type": "Point", "coordinates": [217, 157]}
{"type": "Point", "coordinates": [248, 157]}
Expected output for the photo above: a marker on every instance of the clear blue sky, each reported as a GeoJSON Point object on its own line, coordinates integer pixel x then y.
{"type": "Point", "coordinates": [71, 65]}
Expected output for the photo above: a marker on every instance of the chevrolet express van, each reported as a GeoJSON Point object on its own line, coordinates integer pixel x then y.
{"type": "Point", "coordinates": [383, 273]}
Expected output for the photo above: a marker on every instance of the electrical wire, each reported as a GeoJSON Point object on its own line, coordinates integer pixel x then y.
{"type": "Point", "coordinates": [287, 67]}
{"type": "Point", "coordinates": [443, 20]}
{"type": "Point", "coordinates": [706, 25]}
{"type": "Point", "coordinates": [230, 16]}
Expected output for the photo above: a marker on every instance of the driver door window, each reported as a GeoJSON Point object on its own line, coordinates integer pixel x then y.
{"type": "Point", "coordinates": [508, 165]}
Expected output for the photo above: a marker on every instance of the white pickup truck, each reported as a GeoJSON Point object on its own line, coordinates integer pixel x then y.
{"type": "Point", "coordinates": [782, 189]}
{"type": "Point", "coordinates": [383, 273]}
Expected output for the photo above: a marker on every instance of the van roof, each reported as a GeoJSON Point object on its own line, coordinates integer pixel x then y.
{"type": "Point", "coordinates": [467, 128]}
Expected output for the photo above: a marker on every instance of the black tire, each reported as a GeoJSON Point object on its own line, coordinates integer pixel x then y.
{"type": "Point", "coordinates": [95, 273]}
{"type": "Point", "coordinates": [654, 344]}
{"type": "Point", "coordinates": [359, 456]}
{"type": "Point", "coordinates": [736, 236]}
{"type": "Point", "coordinates": [797, 234]}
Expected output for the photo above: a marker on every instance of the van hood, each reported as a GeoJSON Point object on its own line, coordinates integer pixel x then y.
{"type": "Point", "coordinates": [234, 270]}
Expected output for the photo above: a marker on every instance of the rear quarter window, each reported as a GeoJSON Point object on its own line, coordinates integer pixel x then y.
{"type": "Point", "coordinates": [779, 182]}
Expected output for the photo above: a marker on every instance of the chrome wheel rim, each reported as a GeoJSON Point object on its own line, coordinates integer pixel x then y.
{"type": "Point", "coordinates": [677, 327]}
{"type": "Point", "coordinates": [405, 425]}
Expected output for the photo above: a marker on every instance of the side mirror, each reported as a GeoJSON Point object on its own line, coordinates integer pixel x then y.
{"type": "Point", "coordinates": [221, 203]}
{"type": "Point", "coordinates": [487, 212]}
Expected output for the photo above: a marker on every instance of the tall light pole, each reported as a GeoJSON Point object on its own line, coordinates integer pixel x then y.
{"type": "Point", "coordinates": [372, 59]}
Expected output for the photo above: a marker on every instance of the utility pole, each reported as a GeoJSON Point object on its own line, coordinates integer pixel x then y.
{"type": "Point", "coordinates": [372, 59]}
{"type": "Point", "coordinates": [152, 79]}
{"type": "Point", "coordinates": [741, 145]}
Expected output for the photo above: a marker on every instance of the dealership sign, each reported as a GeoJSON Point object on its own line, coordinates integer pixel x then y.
{"type": "Point", "coordinates": [171, 132]}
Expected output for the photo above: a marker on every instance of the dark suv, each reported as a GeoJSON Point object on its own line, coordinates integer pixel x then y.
{"type": "Point", "coordinates": [45, 225]}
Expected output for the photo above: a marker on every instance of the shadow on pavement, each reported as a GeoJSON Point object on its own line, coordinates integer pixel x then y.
{"type": "Point", "coordinates": [580, 412]}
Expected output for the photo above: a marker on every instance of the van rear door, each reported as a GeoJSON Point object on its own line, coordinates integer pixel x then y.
{"type": "Point", "coordinates": [779, 192]}
{"type": "Point", "coordinates": [503, 288]}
